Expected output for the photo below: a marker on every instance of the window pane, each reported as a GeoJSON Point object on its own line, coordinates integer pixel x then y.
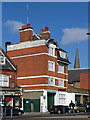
{"type": "Point", "coordinates": [60, 68]}
{"type": "Point", "coordinates": [51, 51]}
{"type": "Point", "coordinates": [4, 80]}
{"type": "Point", "coordinates": [60, 83]}
{"type": "Point", "coordinates": [51, 65]}
{"type": "Point", "coordinates": [51, 81]}
{"type": "Point", "coordinates": [62, 54]}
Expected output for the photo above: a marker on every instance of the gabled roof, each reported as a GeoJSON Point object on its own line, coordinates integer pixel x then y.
{"type": "Point", "coordinates": [37, 37]}
{"type": "Point", "coordinates": [62, 60]}
{"type": "Point", "coordinates": [9, 64]}
{"type": "Point", "coordinates": [52, 40]}
{"type": "Point", "coordinates": [74, 74]}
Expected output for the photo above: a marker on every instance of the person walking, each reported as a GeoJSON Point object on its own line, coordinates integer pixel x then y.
{"type": "Point", "coordinates": [71, 106]}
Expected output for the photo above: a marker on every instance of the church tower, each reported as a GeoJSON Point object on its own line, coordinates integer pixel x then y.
{"type": "Point", "coordinates": [77, 62]}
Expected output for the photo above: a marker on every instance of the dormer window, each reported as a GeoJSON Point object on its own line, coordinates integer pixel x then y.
{"type": "Point", "coordinates": [63, 54]}
{"type": "Point", "coordinates": [2, 60]}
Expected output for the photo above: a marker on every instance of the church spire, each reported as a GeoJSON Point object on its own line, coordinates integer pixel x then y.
{"type": "Point", "coordinates": [77, 63]}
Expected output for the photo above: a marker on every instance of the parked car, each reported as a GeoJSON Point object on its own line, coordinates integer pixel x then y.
{"type": "Point", "coordinates": [80, 108]}
{"type": "Point", "coordinates": [59, 109]}
{"type": "Point", "coordinates": [16, 111]}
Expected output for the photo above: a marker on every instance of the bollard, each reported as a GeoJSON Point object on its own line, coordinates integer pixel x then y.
{"type": "Point", "coordinates": [11, 113]}
{"type": "Point", "coordinates": [63, 110]}
{"type": "Point", "coordinates": [5, 113]}
{"type": "Point", "coordinates": [1, 113]}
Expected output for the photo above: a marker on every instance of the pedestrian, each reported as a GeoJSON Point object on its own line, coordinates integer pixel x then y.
{"type": "Point", "coordinates": [71, 106]}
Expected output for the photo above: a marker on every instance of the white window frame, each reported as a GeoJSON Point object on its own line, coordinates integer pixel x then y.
{"type": "Point", "coordinates": [51, 46]}
{"type": "Point", "coordinates": [49, 79]}
{"type": "Point", "coordinates": [4, 80]}
{"type": "Point", "coordinates": [52, 67]}
{"type": "Point", "coordinates": [60, 68]}
{"type": "Point", "coordinates": [51, 51]}
{"type": "Point", "coordinates": [59, 80]}
{"type": "Point", "coordinates": [62, 54]}
{"type": "Point", "coordinates": [3, 60]}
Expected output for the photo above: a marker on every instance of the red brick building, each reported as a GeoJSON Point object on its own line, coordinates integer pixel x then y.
{"type": "Point", "coordinates": [85, 80]}
{"type": "Point", "coordinates": [42, 69]}
{"type": "Point", "coordinates": [10, 94]}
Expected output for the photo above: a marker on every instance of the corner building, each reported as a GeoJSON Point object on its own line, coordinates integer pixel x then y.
{"type": "Point", "coordinates": [42, 69]}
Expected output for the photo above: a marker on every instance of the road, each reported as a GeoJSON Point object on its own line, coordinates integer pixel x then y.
{"type": "Point", "coordinates": [47, 116]}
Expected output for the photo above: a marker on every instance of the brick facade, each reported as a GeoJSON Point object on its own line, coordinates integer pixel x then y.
{"type": "Point", "coordinates": [85, 81]}
{"type": "Point", "coordinates": [36, 65]}
{"type": "Point", "coordinates": [42, 71]}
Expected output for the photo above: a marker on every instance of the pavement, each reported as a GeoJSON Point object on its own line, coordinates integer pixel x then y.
{"type": "Point", "coordinates": [47, 116]}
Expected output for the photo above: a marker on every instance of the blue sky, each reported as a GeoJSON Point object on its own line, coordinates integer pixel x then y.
{"type": "Point", "coordinates": [67, 22]}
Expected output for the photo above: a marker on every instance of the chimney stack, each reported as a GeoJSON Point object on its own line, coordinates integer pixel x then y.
{"type": "Point", "coordinates": [26, 33]}
{"type": "Point", "coordinates": [45, 33]}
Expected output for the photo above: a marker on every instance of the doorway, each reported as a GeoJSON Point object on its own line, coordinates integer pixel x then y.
{"type": "Point", "coordinates": [32, 107]}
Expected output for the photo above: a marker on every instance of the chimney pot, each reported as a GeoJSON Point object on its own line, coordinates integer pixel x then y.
{"type": "Point", "coordinates": [24, 26]}
{"type": "Point", "coordinates": [45, 33]}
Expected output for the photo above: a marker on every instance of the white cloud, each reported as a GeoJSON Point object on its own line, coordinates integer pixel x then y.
{"type": "Point", "coordinates": [13, 25]}
{"type": "Point", "coordinates": [73, 35]}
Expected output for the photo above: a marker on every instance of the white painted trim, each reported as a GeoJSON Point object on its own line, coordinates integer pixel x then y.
{"type": "Point", "coordinates": [81, 94]}
{"type": "Point", "coordinates": [63, 62]}
{"type": "Point", "coordinates": [41, 85]}
{"type": "Point", "coordinates": [34, 90]}
{"type": "Point", "coordinates": [45, 32]}
{"type": "Point", "coordinates": [8, 61]}
{"type": "Point", "coordinates": [33, 85]}
{"type": "Point", "coordinates": [30, 55]}
{"type": "Point", "coordinates": [62, 73]}
{"type": "Point", "coordinates": [27, 44]}
{"type": "Point", "coordinates": [39, 77]}
{"type": "Point", "coordinates": [11, 64]}
{"type": "Point", "coordinates": [25, 29]}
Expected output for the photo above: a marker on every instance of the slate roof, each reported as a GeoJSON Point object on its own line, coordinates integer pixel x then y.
{"type": "Point", "coordinates": [74, 74]}
{"type": "Point", "coordinates": [37, 37]}
{"type": "Point", "coordinates": [9, 64]}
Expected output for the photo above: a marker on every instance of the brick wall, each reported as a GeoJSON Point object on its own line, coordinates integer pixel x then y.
{"type": "Point", "coordinates": [85, 81]}
{"type": "Point", "coordinates": [36, 65]}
